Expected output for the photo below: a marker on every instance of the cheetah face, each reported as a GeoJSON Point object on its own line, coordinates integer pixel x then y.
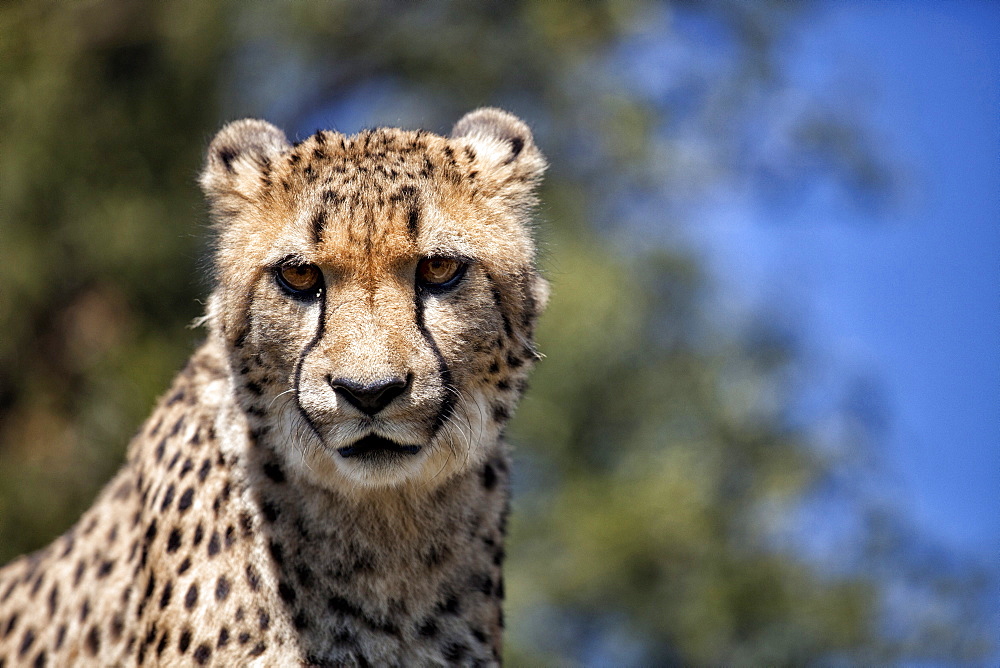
{"type": "Point", "coordinates": [376, 293]}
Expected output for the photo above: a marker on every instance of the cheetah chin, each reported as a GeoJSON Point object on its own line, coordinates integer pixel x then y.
{"type": "Point", "coordinates": [377, 449]}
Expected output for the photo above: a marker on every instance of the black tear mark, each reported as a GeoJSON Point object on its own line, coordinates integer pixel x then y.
{"type": "Point", "coordinates": [448, 403]}
{"type": "Point", "coordinates": [227, 155]}
{"type": "Point", "coordinates": [302, 358]}
{"type": "Point", "coordinates": [516, 146]}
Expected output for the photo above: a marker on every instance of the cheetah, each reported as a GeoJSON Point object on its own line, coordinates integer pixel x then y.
{"type": "Point", "coordinates": [326, 482]}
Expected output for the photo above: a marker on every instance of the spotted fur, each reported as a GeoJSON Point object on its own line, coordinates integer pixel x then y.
{"type": "Point", "coordinates": [274, 509]}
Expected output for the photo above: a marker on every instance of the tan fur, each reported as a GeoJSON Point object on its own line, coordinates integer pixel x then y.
{"type": "Point", "coordinates": [242, 531]}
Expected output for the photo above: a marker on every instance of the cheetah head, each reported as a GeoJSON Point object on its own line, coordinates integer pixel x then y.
{"type": "Point", "coordinates": [376, 294]}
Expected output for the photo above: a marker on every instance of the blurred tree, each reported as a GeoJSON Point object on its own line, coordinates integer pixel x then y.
{"type": "Point", "coordinates": [659, 460]}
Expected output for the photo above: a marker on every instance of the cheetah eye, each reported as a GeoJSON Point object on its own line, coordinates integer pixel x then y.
{"type": "Point", "coordinates": [300, 280]}
{"type": "Point", "coordinates": [439, 273]}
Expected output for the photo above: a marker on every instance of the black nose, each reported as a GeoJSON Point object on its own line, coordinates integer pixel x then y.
{"type": "Point", "coordinates": [371, 398]}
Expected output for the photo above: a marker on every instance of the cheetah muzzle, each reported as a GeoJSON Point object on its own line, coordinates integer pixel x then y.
{"type": "Point", "coordinates": [326, 482]}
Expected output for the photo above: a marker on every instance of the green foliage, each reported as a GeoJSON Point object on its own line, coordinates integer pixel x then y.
{"type": "Point", "coordinates": [656, 460]}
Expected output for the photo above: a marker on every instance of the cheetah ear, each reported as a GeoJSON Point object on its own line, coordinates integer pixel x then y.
{"type": "Point", "coordinates": [502, 141]}
{"type": "Point", "coordinates": [237, 157]}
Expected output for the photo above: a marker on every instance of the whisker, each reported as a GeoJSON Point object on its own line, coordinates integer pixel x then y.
{"type": "Point", "coordinates": [278, 396]}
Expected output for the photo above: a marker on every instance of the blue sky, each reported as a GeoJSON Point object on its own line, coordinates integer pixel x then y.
{"type": "Point", "coordinates": [908, 294]}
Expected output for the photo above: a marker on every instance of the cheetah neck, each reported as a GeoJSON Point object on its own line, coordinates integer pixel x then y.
{"type": "Point", "coordinates": [428, 559]}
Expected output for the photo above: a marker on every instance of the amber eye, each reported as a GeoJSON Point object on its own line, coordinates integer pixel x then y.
{"type": "Point", "coordinates": [300, 279]}
{"type": "Point", "coordinates": [439, 273]}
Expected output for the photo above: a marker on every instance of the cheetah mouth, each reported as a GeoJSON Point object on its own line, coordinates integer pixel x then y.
{"type": "Point", "coordinates": [374, 447]}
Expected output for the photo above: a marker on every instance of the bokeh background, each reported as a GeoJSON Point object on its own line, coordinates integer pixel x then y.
{"type": "Point", "coordinates": [767, 426]}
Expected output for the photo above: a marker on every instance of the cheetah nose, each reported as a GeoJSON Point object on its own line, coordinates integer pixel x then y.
{"type": "Point", "coordinates": [371, 398]}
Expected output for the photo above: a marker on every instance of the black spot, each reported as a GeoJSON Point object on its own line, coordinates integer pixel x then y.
{"type": "Point", "coordinates": [253, 388]}
{"type": "Point", "coordinates": [173, 540]}
{"type": "Point", "coordinates": [223, 496]}
{"type": "Point", "coordinates": [199, 533]}
{"type": "Point", "coordinates": [11, 623]}
{"type": "Point", "coordinates": [191, 597]}
{"type": "Point", "coordinates": [479, 635]}
{"type": "Point", "coordinates": [186, 467]}
{"type": "Point", "coordinates": [246, 524]}
{"type": "Point", "coordinates": [10, 590]}
{"type": "Point", "coordinates": [37, 584]}
{"type": "Point", "coordinates": [39, 660]}
{"type": "Point", "coordinates": [483, 582]}
{"type": "Point", "coordinates": [341, 605]}
{"type": "Point", "coordinates": [70, 543]}
{"type": "Point", "coordinates": [270, 511]}
{"type": "Point", "coordinates": [253, 578]}
{"type": "Point", "coordinates": [162, 645]}
{"type": "Point", "coordinates": [230, 536]}
{"type": "Point", "coordinates": [287, 592]}
{"type": "Point", "coordinates": [222, 589]}
{"type": "Point", "coordinates": [413, 220]}
{"type": "Point", "coordinates": [117, 626]}
{"type": "Point", "coordinates": [455, 652]}
{"type": "Point", "coordinates": [213, 544]}
{"type": "Point", "coordinates": [300, 621]}
{"type": "Point", "coordinates": [258, 649]}
{"type": "Point", "coordinates": [185, 641]}
{"type": "Point", "coordinates": [160, 448]}
{"type": "Point", "coordinates": [276, 552]}
{"type": "Point", "coordinates": [223, 637]}
{"type": "Point", "coordinates": [93, 641]}
{"type": "Point", "coordinates": [53, 600]}
{"type": "Point", "coordinates": [244, 638]}
{"type": "Point", "coordinates": [428, 629]}
{"type": "Point", "coordinates": [489, 477]}
{"type": "Point", "coordinates": [185, 501]}
{"type": "Point", "coordinates": [206, 466]}
{"type": "Point", "coordinates": [78, 574]}
{"type": "Point", "coordinates": [85, 610]}
{"type": "Point", "coordinates": [150, 585]}
{"type": "Point", "coordinates": [449, 605]}
{"type": "Point", "coordinates": [202, 653]}
{"type": "Point", "coordinates": [263, 620]}
{"type": "Point", "coordinates": [274, 472]}
{"type": "Point", "coordinates": [185, 565]}
{"type": "Point", "coordinates": [304, 575]}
